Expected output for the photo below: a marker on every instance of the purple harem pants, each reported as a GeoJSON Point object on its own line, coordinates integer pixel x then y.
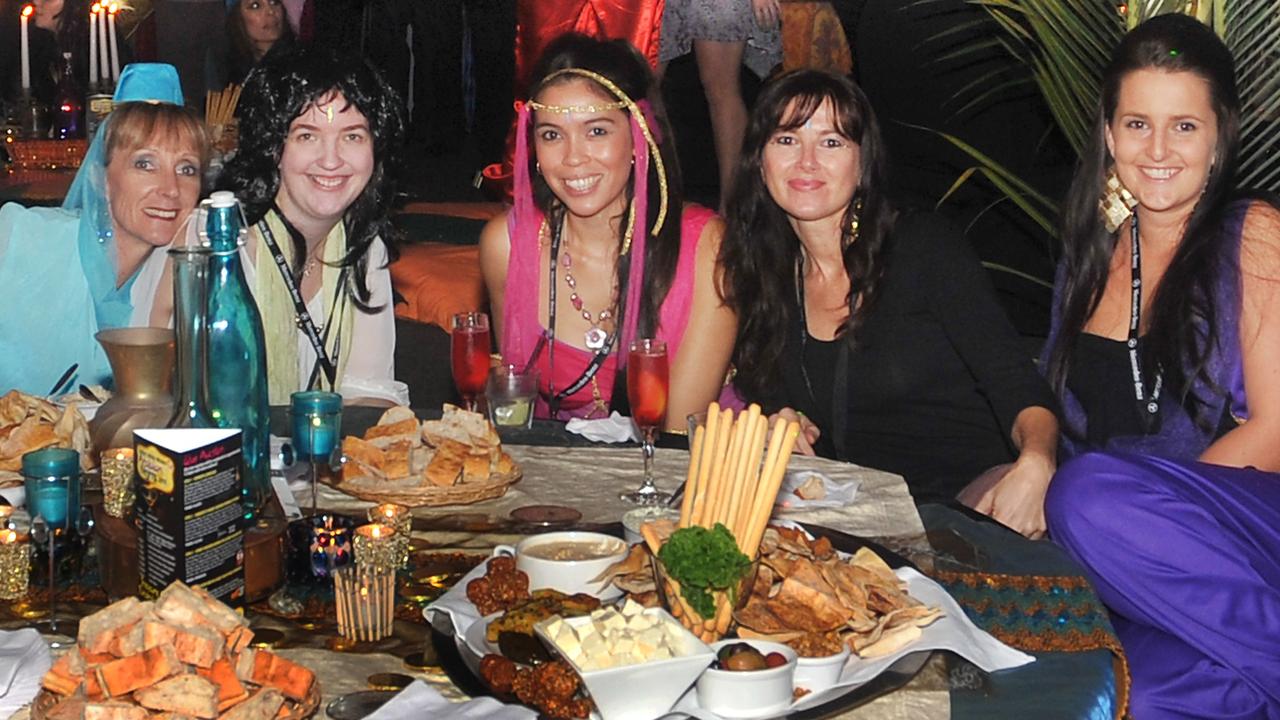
{"type": "Point", "coordinates": [1187, 557]}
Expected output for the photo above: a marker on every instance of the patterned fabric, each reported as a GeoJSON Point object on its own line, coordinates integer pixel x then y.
{"type": "Point", "coordinates": [723, 21]}
{"type": "Point", "coordinates": [813, 38]}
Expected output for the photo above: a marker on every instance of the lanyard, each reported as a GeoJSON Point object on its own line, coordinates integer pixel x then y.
{"type": "Point", "coordinates": [1148, 409]}
{"type": "Point", "coordinates": [840, 392]}
{"type": "Point", "coordinates": [303, 318]}
{"type": "Point", "coordinates": [596, 361]}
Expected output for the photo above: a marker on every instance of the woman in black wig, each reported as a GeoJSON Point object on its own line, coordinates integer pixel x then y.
{"type": "Point", "coordinates": [318, 133]}
{"type": "Point", "coordinates": [878, 328]}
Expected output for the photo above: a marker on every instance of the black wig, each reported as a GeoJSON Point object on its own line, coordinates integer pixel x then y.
{"type": "Point", "coordinates": [276, 93]}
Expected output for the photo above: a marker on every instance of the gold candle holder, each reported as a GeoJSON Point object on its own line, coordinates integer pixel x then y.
{"type": "Point", "coordinates": [117, 481]}
{"type": "Point", "coordinates": [15, 565]}
{"type": "Point", "coordinates": [6, 516]}
{"type": "Point", "coordinates": [400, 518]}
{"type": "Point", "coordinates": [376, 548]}
{"type": "Point", "coordinates": [365, 600]}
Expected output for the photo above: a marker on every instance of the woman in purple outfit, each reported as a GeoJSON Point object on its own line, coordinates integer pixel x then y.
{"type": "Point", "coordinates": [1163, 348]}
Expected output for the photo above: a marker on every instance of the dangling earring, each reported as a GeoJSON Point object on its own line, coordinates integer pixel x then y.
{"type": "Point", "coordinates": [631, 229]}
{"type": "Point", "coordinates": [1116, 203]}
{"type": "Point", "coordinates": [537, 166]}
{"type": "Point", "coordinates": [853, 222]}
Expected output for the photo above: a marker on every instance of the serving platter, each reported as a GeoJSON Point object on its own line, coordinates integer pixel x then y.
{"type": "Point", "coordinates": [460, 672]}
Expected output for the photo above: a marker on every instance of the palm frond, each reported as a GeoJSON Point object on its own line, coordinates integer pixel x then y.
{"type": "Point", "coordinates": [1251, 28]}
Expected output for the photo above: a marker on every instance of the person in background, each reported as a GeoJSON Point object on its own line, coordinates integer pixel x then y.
{"type": "Point", "coordinates": [599, 249]}
{"type": "Point", "coordinates": [723, 35]}
{"type": "Point", "coordinates": [66, 273]}
{"type": "Point", "coordinates": [876, 328]}
{"type": "Point", "coordinates": [56, 27]}
{"type": "Point", "coordinates": [1163, 349]}
{"type": "Point", "coordinates": [254, 28]}
{"type": "Point", "coordinates": [319, 132]}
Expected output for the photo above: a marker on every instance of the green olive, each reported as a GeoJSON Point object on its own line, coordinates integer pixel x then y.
{"type": "Point", "coordinates": [748, 659]}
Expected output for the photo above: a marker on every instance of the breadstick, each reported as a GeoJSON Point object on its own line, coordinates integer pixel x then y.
{"type": "Point", "coordinates": [704, 511]}
{"type": "Point", "coordinates": [743, 478]}
{"type": "Point", "coordinates": [730, 469]}
{"type": "Point", "coordinates": [752, 485]}
{"type": "Point", "coordinates": [705, 461]}
{"type": "Point", "coordinates": [691, 478]}
{"type": "Point", "coordinates": [724, 618]}
{"type": "Point", "coordinates": [770, 482]}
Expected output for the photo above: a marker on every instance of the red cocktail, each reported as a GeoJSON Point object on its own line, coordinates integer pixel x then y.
{"type": "Point", "coordinates": [647, 383]}
{"type": "Point", "coordinates": [469, 346]}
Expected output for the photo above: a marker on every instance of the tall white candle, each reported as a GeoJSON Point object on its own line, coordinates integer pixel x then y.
{"type": "Point", "coordinates": [93, 46]}
{"type": "Point", "coordinates": [27, 10]}
{"type": "Point", "coordinates": [115, 47]}
{"type": "Point", "coordinates": [102, 44]}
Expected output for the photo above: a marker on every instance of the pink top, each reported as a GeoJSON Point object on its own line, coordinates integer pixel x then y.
{"type": "Point", "coordinates": [521, 327]}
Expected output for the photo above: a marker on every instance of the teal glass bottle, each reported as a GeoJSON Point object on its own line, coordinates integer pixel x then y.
{"type": "Point", "coordinates": [190, 289]}
{"type": "Point", "coordinates": [237, 351]}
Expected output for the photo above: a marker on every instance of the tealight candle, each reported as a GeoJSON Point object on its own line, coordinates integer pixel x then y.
{"type": "Point", "coordinates": [375, 547]}
{"type": "Point", "coordinates": [317, 417]}
{"type": "Point", "coordinates": [400, 518]}
{"type": "Point", "coordinates": [15, 565]}
{"type": "Point", "coordinates": [117, 480]}
{"type": "Point", "coordinates": [53, 484]}
{"type": "Point", "coordinates": [365, 601]}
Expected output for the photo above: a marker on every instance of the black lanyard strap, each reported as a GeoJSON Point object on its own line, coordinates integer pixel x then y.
{"type": "Point", "coordinates": [302, 316]}
{"type": "Point", "coordinates": [1148, 409]}
{"type": "Point", "coordinates": [597, 360]}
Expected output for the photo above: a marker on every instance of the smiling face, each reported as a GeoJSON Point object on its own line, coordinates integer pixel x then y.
{"type": "Point", "coordinates": [812, 171]}
{"type": "Point", "coordinates": [46, 13]}
{"type": "Point", "coordinates": [326, 164]}
{"type": "Point", "coordinates": [1163, 136]}
{"type": "Point", "coordinates": [585, 157]}
{"type": "Point", "coordinates": [150, 189]}
{"type": "Point", "coordinates": [263, 22]}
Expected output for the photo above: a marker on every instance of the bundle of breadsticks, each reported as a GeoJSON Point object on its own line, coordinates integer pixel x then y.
{"type": "Point", "coordinates": [733, 480]}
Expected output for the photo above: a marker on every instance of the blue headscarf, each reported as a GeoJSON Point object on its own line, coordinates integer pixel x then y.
{"type": "Point", "coordinates": [139, 82]}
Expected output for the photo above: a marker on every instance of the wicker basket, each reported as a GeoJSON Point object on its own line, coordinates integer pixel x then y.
{"type": "Point", "coordinates": [45, 702]}
{"type": "Point", "coordinates": [46, 154]}
{"type": "Point", "coordinates": [429, 495]}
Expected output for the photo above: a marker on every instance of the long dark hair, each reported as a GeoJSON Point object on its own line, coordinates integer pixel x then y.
{"type": "Point", "coordinates": [240, 59]}
{"type": "Point", "coordinates": [279, 90]}
{"type": "Point", "coordinates": [625, 67]}
{"type": "Point", "coordinates": [761, 252]}
{"type": "Point", "coordinates": [1182, 326]}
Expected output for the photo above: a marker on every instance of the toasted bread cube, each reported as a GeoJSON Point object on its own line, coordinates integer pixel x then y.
{"type": "Point", "coordinates": [114, 711]}
{"type": "Point", "coordinates": [71, 708]}
{"type": "Point", "coordinates": [288, 677]}
{"type": "Point", "coordinates": [97, 632]}
{"type": "Point", "coordinates": [187, 694]}
{"type": "Point", "coordinates": [125, 675]}
{"type": "Point", "coordinates": [218, 613]}
{"type": "Point", "coordinates": [239, 639]}
{"type": "Point", "coordinates": [199, 646]}
{"type": "Point", "coordinates": [156, 633]}
{"type": "Point", "coordinates": [230, 689]}
{"type": "Point", "coordinates": [262, 706]}
{"type": "Point", "coordinates": [62, 678]}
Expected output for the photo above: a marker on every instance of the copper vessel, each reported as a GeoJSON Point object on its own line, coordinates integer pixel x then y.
{"type": "Point", "coordinates": [142, 362]}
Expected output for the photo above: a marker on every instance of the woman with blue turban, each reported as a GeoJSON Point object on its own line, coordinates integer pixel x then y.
{"type": "Point", "coordinates": [66, 273]}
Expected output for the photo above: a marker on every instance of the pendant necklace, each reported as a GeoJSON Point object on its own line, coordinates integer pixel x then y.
{"type": "Point", "coordinates": [595, 337]}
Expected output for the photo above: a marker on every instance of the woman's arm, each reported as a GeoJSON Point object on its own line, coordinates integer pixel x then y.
{"type": "Point", "coordinates": [698, 371]}
{"type": "Point", "coordinates": [370, 376]}
{"type": "Point", "coordinates": [495, 250]}
{"type": "Point", "coordinates": [1254, 442]}
{"type": "Point", "coordinates": [1014, 494]}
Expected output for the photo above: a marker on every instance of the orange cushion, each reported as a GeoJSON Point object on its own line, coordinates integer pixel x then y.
{"type": "Point", "coordinates": [438, 280]}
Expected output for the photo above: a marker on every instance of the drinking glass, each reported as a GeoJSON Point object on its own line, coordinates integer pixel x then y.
{"type": "Point", "coordinates": [317, 423]}
{"type": "Point", "coordinates": [647, 391]}
{"type": "Point", "coordinates": [469, 355]}
{"type": "Point", "coordinates": [509, 394]}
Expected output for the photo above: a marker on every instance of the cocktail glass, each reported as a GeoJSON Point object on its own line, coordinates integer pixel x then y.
{"type": "Point", "coordinates": [647, 390]}
{"type": "Point", "coordinates": [469, 355]}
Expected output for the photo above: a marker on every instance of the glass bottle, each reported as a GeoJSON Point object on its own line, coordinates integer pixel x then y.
{"type": "Point", "coordinates": [237, 350]}
{"type": "Point", "coordinates": [68, 104]}
{"type": "Point", "coordinates": [190, 289]}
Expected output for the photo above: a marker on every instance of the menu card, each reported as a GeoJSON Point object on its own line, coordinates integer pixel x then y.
{"type": "Point", "coordinates": [191, 521]}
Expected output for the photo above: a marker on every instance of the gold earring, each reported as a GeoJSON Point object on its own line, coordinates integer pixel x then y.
{"type": "Point", "coordinates": [537, 166]}
{"type": "Point", "coordinates": [853, 222]}
{"type": "Point", "coordinates": [1117, 203]}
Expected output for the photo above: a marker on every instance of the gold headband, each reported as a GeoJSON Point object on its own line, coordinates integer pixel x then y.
{"type": "Point", "coordinates": [623, 101]}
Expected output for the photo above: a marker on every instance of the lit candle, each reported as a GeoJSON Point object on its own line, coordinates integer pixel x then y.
{"type": "Point", "coordinates": [93, 45]}
{"type": "Point", "coordinates": [15, 565]}
{"type": "Point", "coordinates": [375, 547]}
{"type": "Point", "coordinates": [102, 44]}
{"type": "Point", "coordinates": [27, 10]}
{"type": "Point", "coordinates": [112, 9]}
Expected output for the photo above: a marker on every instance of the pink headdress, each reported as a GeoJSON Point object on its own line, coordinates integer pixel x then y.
{"type": "Point", "coordinates": [525, 219]}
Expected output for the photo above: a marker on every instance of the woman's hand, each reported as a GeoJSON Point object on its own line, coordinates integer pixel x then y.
{"type": "Point", "coordinates": [1013, 494]}
{"type": "Point", "coordinates": [809, 433]}
{"type": "Point", "coordinates": [766, 12]}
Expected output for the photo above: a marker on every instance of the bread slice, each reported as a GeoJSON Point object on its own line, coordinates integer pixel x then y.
{"type": "Point", "coordinates": [475, 468]}
{"type": "Point", "coordinates": [97, 634]}
{"type": "Point", "coordinates": [446, 466]}
{"type": "Point", "coordinates": [114, 711]}
{"type": "Point", "coordinates": [230, 689]}
{"type": "Point", "coordinates": [363, 458]}
{"type": "Point", "coordinates": [396, 414]}
{"type": "Point", "coordinates": [187, 694]}
{"type": "Point", "coordinates": [288, 677]}
{"type": "Point", "coordinates": [404, 431]}
{"type": "Point", "coordinates": [395, 459]}
{"type": "Point", "coordinates": [123, 676]}
{"type": "Point", "coordinates": [199, 646]}
{"type": "Point", "coordinates": [263, 705]}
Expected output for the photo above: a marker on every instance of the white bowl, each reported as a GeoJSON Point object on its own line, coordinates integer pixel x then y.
{"type": "Point", "coordinates": [752, 693]}
{"type": "Point", "coordinates": [568, 576]}
{"type": "Point", "coordinates": [646, 690]}
{"type": "Point", "coordinates": [819, 673]}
